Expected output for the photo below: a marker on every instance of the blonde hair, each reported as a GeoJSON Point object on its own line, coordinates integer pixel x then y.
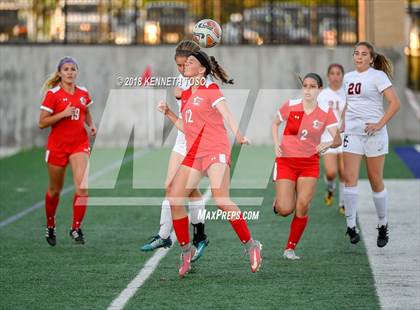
{"type": "Point", "coordinates": [380, 62]}
{"type": "Point", "coordinates": [53, 80]}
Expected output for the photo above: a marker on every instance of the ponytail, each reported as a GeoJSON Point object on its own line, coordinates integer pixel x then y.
{"type": "Point", "coordinates": [218, 72]}
{"type": "Point", "coordinates": [53, 80]}
{"type": "Point", "coordinates": [382, 63]}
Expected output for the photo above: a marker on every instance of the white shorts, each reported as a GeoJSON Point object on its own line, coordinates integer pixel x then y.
{"type": "Point", "coordinates": [370, 146]}
{"type": "Point", "coordinates": [180, 144]}
{"type": "Point", "coordinates": [337, 150]}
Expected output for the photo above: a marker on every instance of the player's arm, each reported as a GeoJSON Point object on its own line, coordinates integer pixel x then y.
{"type": "Point", "coordinates": [393, 107]}
{"type": "Point", "coordinates": [90, 123]}
{"type": "Point", "coordinates": [336, 142]}
{"type": "Point", "coordinates": [223, 109]}
{"type": "Point", "coordinates": [164, 109]}
{"type": "Point", "coordinates": [47, 120]}
{"type": "Point", "coordinates": [275, 135]}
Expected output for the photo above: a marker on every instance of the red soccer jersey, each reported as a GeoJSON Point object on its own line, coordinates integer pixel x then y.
{"type": "Point", "coordinates": [303, 131]}
{"type": "Point", "coordinates": [70, 131]}
{"type": "Point", "coordinates": [204, 127]}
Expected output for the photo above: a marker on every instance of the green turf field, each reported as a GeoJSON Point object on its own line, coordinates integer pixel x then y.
{"type": "Point", "coordinates": [332, 273]}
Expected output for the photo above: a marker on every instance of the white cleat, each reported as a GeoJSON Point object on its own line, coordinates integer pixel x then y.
{"type": "Point", "coordinates": [290, 254]}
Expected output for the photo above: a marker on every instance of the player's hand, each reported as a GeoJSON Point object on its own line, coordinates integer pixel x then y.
{"type": "Point", "coordinates": [372, 128]}
{"type": "Point", "coordinates": [322, 147]}
{"type": "Point", "coordinates": [278, 151]}
{"type": "Point", "coordinates": [93, 130]}
{"type": "Point", "coordinates": [243, 140]}
{"type": "Point", "coordinates": [178, 92]}
{"type": "Point", "coordinates": [163, 107]}
{"type": "Point", "coordinates": [68, 111]}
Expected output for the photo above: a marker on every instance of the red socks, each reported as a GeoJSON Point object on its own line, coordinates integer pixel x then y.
{"type": "Point", "coordinates": [51, 204]}
{"type": "Point", "coordinates": [297, 227]}
{"type": "Point", "coordinates": [79, 210]}
{"type": "Point", "coordinates": [241, 229]}
{"type": "Point", "coordinates": [181, 227]}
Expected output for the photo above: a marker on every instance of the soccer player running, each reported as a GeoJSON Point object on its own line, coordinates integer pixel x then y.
{"type": "Point", "coordinates": [196, 202]}
{"type": "Point", "coordinates": [335, 97]}
{"type": "Point", "coordinates": [365, 133]}
{"type": "Point", "coordinates": [296, 168]}
{"type": "Point", "coordinates": [204, 111]}
{"type": "Point", "coordinates": [66, 110]}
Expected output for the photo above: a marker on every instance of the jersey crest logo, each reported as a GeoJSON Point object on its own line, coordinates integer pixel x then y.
{"type": "Point", "coordinates": [197, 100]}
{"type": "Point", "coordinates": [297, 117]}
{"type": "Point", "coordinates": [83, 100]}
{"type": "Point", "coordinates": [316, 124]}
{"type": "Point", "coordinates": [65, 99]}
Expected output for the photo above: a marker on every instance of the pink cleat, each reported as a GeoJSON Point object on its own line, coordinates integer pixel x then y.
{"type": "Point", "coordinates": [255, 258]}
{"type": "Point", "coordinates": [186, 262]}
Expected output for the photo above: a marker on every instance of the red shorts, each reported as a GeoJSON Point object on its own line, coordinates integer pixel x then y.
{"type": "Point", "coordinates": [61, 159]}
{"type": "Point", "coordinates": [202, 163]}
{"type": "Point", "coordinates": [292, 168]}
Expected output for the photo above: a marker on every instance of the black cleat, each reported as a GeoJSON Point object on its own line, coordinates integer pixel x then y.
{"type": "Point", "coordinates": [353, 234]}
{"type": "Point", "coordinates": [77, 236]}
{"type": "Point", "coordinates": [274, 206]}
{"type": "Point", "coordinates": [50, 236]}
{"type": "Point", "coordinates": [382, 236]}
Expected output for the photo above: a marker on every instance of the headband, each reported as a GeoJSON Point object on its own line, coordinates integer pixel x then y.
{"type": "Point", "coordinates": [67, 60]}
{"type": "Point", "coordinates": [203, 59]}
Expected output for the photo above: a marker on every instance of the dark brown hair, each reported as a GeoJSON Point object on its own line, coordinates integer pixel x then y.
{"type": "Point", "coordinates": [380, 62]}
{"type": "Point", "coordinates": [335, 65]}
{"type": "Point", "coordinates": [185, 48]}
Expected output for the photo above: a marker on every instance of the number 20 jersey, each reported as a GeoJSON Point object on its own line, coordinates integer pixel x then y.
{"type": "Point", "coordinates": [364, 96]}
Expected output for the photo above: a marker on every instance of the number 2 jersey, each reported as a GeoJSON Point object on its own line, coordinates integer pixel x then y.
{"type": "Point", "coordinates": [69, 132]}
{"type": "Point", "coordinates": [303, 132]}
{"type": "Point", "coordinates": [204, 127]}
{"type": "Point", "coordinates": [364, 95]}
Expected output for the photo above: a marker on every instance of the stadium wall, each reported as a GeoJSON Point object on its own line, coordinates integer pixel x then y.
{"type": "Point", "coordinates": [23, 70]}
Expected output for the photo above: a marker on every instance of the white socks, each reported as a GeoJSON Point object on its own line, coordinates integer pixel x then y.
{"type": "Point", "coordinates": [197, 211]}
{"type": "Point", "coordinates": [381, 204]}
{"type": "Point", "coordinates": [350, 195]}
{"type": "Point", "coordinates": [330, 184]}
{"type": "Point", "coordinates": [197, 215]}
{"type": "Point", "coordinates": [165, 220]}
{"type": "Point", "coordinates": [341, 194]}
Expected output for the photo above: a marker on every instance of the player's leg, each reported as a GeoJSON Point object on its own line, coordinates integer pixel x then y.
{"type": "Point", "coordinates": [219, 176]}
{"type": "Point", "coordinates": [285, 202]}
{"type": "Point", "coordinates": [375, 166]}
{"type": "Point", "coordinates": [350, 193]}
{"type": "Point", "coordinates": [305, 188]}
{"type": "Point", "coordinates": [79, 165]}
{"type": "Point", "coordinates": [184, 182]}
{"type": "Point", "coordinates": [56, 176]}
{"type": "Point", "coordinates": [197, 208]}
{"type": "Point", "coordinates": [163, 239]}
{"type": "Point", "coordinates": [340, 163]}
{"type": "Point", "coordinates": [330, 167]}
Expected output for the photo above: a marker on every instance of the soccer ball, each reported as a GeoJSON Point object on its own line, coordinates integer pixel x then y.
{"type": "Point", "coordinates": [207, 33]}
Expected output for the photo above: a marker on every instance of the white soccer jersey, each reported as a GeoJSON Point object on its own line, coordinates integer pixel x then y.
{"type": "Point", "coordinates": [337, 101]}
{"type": "Point", "coordinates": [183, 84]}
{"type": "Point", "coordinates": [364, 95]}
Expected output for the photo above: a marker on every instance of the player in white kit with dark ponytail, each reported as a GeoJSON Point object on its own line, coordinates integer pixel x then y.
{"type": "Point", "coordinates": [335, 96]}
{"type": "Point", "coordinates": [365, 133]}
{"type": "Point", "coordinates": [196, 203]}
